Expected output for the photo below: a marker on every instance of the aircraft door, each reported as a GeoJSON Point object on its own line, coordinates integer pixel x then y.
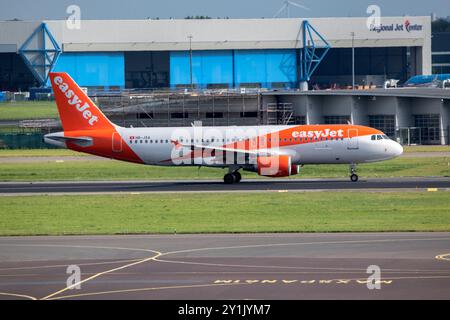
{"type": "Point", "coordinates": [116, 142]}
{"type": "Point", "coordinates": [352, 141]}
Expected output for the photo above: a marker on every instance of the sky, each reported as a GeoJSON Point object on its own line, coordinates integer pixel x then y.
{"type": "Point", "coordinates": [166, 9]}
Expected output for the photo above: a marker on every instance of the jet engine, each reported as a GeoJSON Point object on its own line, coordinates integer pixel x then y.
{"type": "Point", "coordinates": [276, 166]}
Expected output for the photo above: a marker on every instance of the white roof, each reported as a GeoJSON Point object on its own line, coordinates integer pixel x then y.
{"type": "Point", "coordinates": [217, 34]}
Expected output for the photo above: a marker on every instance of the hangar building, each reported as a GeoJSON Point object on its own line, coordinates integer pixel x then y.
{"type": "Point", "coordinates": [226, 53]}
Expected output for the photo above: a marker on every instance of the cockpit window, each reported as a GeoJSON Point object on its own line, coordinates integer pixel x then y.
{"type": "Point", "coordinates": [379, 137]}
{"type": "Point", "coordinates": [385, 137]}
{"type": "Point", "coordinates": [374, 137]}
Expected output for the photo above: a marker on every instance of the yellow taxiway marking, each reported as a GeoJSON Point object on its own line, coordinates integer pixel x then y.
{"type": "Point", "coordinates": [445, 256]}
{"type": "Point", "coordinates": [386, 280]}
{"type": "Point", "coordinates": [157, 253]}
{"type": "Point", "coordinates": [65, 265]}
{"type": "Point", "coordinates": [17, 295]}
{"type": "Point", "coordinates": [432, 189]}
{"type": "Point", "coordinates": [148, 289]}
{"type": "Point", "coordinates": [75, 246]}
{"type": "Point", "coordinates": [281, 245]}
{"type": "Point", "coordinates": [302, 243]}
{"type": "Point", "coordinates": [103, 273]}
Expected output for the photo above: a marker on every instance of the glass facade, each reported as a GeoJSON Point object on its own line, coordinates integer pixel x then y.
{"type": "Point", "coordinates": [301, 120]}
{"type": "Point", "coordinates": [263, 68]}
{"type": "Point", "coordinates": [379, 63]}
{"type": "Point", "coordinates": [336, 119]}
{"type": "Point", "coordinates": [429, 127]}
{"type": "Point", "coordinates": [385, 123]}
{"type": "Point", "coordinates": [441, 52]}
{"type": "Point", "coordinates": [147, 69]}
{"type": "Point", "coordinates": [14, 74]}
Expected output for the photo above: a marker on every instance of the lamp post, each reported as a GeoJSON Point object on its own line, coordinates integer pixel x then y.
{"type": "Point", "coordinates": [353, 60]}
{"type": "Point", "coordinates": [190, 60]}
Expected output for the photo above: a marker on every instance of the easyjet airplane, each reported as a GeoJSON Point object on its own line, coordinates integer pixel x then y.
{"type": "Point", "coordinates": [273, 151]}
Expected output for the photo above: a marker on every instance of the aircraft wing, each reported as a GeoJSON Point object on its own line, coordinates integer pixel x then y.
{"type": "Point", "coordinates": [258, 152]}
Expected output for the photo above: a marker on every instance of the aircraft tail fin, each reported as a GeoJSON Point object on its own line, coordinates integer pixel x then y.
{"type": "Point", "coordinates": [76, 109]}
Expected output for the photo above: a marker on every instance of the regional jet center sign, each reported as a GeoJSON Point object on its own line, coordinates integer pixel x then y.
{"type": "Point", "coordinates": [397, 27]}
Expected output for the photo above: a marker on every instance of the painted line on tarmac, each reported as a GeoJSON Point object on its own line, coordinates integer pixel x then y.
{"type": "Point", "coordinates": [16, 295]}
{"type": "Point", "coordinates": [52, 295]}
{"type": "Point", "coordinates": [375, 190]}
{"type": "Point", "coordinates": [206, 180]}
{"type": "Point", "coordinates": [445, 257]}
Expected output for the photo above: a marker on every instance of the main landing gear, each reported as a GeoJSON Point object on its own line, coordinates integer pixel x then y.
{"type": "Point", "coordinates": [353, 175]}
{"type": "Point", "coordinates": [232, 177]}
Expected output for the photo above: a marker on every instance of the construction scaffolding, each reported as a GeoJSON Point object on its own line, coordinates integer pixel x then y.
{"type": "Point", "coordinates": [279, 113]}
{"type": "Point", "coordinates": [174, 109]}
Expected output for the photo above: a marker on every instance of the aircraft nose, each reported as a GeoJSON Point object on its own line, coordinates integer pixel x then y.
{"type": "Point", "coordinates": [397, 149]}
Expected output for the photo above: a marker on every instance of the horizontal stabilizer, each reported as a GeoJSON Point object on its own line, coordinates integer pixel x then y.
{"type": "Point", "coordinates": [58, 137]}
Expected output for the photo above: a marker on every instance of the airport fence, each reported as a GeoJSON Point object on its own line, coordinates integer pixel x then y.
{"type": "Point", "coordinates": [23, 141]}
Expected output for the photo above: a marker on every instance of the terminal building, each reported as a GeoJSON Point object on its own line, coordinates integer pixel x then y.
{"type": "Point", "coordinates": [244, 71]}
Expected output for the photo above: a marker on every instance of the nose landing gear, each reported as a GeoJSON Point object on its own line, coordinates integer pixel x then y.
{"type": "Point", "coordinates": [353, 175]}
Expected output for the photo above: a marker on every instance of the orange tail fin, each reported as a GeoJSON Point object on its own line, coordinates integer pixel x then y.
{"type": "Point", "coordinates": [76, 109]}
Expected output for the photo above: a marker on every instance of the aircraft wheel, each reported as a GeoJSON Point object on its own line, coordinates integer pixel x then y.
{"type": "Point", "coordinates": [354, 177]}
{"type": "Point", "coordinates": [228, 178]}
{"type": "Point", "coordinates": [237, 176]}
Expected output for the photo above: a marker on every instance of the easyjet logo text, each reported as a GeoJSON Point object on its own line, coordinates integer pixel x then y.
{"type": "Point", "coordinates": [74, 100]}
{"type": "Point", "coordinates": [327, 133]}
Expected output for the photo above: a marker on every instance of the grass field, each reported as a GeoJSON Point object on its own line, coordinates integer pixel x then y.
{"type": "Point", "coordinates": [116, 170]}
{"type": "Point", "coordinates": [28, 110]}
{"type": "Point", "coordinates": [408, 149]}
{"type": "Point", "coordinates": [225, 212]}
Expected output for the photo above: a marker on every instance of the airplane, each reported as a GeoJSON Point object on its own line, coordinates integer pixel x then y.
{"type": "Point", "coordinates": [272, 151]}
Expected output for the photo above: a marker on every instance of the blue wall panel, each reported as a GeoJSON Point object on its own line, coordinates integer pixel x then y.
{"type": "Point", "coordinates": [266, 67]}
{"type": "Point", "coordinates": [95, 69]}
{"type": "Point", "coordinates": [208, 67]}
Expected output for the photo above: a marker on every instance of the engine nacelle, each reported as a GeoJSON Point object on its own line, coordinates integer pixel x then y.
{"type": "Point", "coordinates": [276, 166]}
